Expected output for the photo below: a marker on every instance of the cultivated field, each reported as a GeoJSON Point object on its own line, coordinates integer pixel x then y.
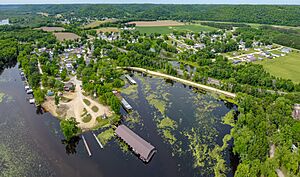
{"type": "Point", "coordinates": [287, 67]}
{"type": "Point", "coordinates": [108, 29]}
{"type": "Point", "coordinates": [94, 24]}
{"type": "Point", "coordinates": [66, 36]}
{"type": "Point", "coordinates": [51, 29]}
{"type": "Point", "coordinates": [170, 29]}
{"type": "Point", "coordinates": [157, 23]}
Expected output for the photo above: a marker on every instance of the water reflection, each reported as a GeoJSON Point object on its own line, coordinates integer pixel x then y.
{"type": "Point", "coordinates": [71, 144]}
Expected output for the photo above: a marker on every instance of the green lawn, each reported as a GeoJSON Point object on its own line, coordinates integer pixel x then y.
{"type": "Point", "coordinates": [169, 29]}
{"type": "Point", "coordinates": [287, 67]}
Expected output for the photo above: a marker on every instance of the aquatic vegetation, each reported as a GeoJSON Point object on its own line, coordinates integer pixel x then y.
{"type": "Point", "coordinates": [157, 103]}
{"type": "Point", "coordinates": [106, 136]}
{"type": "Point", "coordinates": [8, 163]}
{"type": "Point", "coordinates": [1, 96]}
{"type": "Point", "coordinates": [123, 146]}
{"type": "Point", "coordinates": [228, 119]}
{"type": "Point", "coordinates": [199, 150]}
{"type": "Point", "coordinates": [129, 90]}
{"type": "Point", "coordinates": [133, 117]}
{"type": "Point", "coordinates": [169, 137]}
{"type": "Point", "coordinates": [167, 123]}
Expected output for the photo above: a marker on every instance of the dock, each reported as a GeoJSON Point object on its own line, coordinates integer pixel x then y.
{"type": "Point", "coordinates": [101, 146]}
{"type": "Point", "coordinates": [126, 105]}
{"type": "Point", "coordinates": [86, 146]}
{"type": "Point", "coordinates": [130, 79]}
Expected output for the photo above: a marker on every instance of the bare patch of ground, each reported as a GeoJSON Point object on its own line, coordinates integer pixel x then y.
{"type": "Point", "coordinates": [75, 107]}
{"type": "Point", "coordinates": [94, 24]}
{"type": "Point", "coordinates": [108, 29]}
{"type": "Point", "coordinates": [157, 23]}
{"type": "Point", "coordinates": [61, 36]}
{"type": "Point", "coordinates": [51, 29]}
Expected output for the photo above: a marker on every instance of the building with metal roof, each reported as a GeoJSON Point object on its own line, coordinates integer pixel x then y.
{"type": "Point", "coordinates": [139, 146]}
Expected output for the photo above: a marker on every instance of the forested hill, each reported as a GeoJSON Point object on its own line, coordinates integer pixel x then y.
{"type": "Point", "coordinates": [264, 14]}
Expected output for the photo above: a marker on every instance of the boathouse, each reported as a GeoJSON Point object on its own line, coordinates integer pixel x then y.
{"type": "Point", "coordinates": [130, 79]}
{"type": "Point", "coordinates": [139, 146]}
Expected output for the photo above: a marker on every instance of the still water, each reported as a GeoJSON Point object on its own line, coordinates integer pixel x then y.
{"type": "Point", "coordinates": [31, 143]}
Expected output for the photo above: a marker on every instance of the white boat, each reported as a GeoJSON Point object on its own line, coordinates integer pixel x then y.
{"type": "Point", "coordinates": [32, 101]}
{"type": "Point", "coordinates": [29, 91]}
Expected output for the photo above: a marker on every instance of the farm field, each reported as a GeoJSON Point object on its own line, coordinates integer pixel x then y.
{"type": "Point", "coordinates": [61, 36]}
{"type": "Point", "coordinates": [108, 29]}
{"type": "Point", "coordinates": [286, 67]}
{"type": "Point", "coordinates": [94, 24]}
{"type": "Point", "coordinates": [157, 23]}
{"type": "Point", "coordinates": [169, 29]}
{"type": "Point", "coordinates": [51, 29]}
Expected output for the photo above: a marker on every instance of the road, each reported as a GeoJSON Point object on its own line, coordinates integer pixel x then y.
{"type": "Point", "coordinates": [244, 55]}
{"type": "Point", "coordinates": [187, 82]}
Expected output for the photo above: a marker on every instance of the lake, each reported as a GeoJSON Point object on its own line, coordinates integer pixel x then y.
{"type": "Point", "coordinates": [32, 143]}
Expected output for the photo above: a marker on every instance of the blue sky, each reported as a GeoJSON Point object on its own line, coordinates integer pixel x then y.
{"type": "Point", "coordinates": [152, 1]}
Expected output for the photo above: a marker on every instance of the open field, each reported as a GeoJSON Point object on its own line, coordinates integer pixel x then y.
{"type": "Point", "coordinates": [66, 36]}
{"type": "Point", "coordinates": [157, 23]}
{"type": "Point", "coordinates": [108, 29]}
{"type": "Point", "coordinates": [170, 29]}
{"type": "Point", "coordinates": [94, 24]}
{"type": "Point", "coordinates": [51, 29]}
{"type": "Point", "coordinates": [287, 67]}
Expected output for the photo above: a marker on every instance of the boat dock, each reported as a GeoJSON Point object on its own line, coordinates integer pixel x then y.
{"type": "Point", "coordinates": [97, 140]}
{"type": "Point", "coordinates": [131, 81]}
{"type": "Point", "coordinates": [124, 103]}
{"type": "Point", "coordinates": [142, 148]}
{"type": "Point", "coordinates": [86, 146]}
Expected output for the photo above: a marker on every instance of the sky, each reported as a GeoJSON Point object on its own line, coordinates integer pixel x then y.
{"type": "Point", "coordinates": [297, 2]}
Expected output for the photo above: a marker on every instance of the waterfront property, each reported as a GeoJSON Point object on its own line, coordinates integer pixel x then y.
{"type": "Point", "coordinates": [130, 79]}
{"type": "Point", "coordinates": [139, 146]}
{"type": "Point", "coordinates": [126, 105]}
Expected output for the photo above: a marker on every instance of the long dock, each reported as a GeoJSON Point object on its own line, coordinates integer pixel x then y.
{"type": "Point", "coordinates": [98, 141]}
{"type": "Point", "coordinates": [187, 82]}
{"type": "Point", "coordinates": [86, 146]}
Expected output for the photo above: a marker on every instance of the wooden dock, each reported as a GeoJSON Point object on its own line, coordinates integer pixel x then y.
{"type": "Point", "coordinates": [101, 146]}
{"type": "Point", "coordinates": [86, 146]}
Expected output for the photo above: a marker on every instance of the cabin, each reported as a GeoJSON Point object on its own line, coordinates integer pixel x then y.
{"type": "Point", "coordinates": [131, 81]}
{"type": "Point", "coordinates": [139, 146]}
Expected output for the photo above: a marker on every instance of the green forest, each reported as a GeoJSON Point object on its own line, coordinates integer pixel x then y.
{"type": "Point", "coordinates": [263, 14]}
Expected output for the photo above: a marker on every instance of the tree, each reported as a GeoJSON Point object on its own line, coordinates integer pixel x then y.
{"type": "Point", "coordinates": [56, 98]}
{"type": "Point", "coordinates": [69, 128]}
{"type": "Point", "coordinates": [63, 74]}
{"type": "Point", "coordinates": [39, 96]}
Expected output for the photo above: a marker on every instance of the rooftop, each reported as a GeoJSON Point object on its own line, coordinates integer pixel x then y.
{"type": "Point", "coordinates": [141, 147]}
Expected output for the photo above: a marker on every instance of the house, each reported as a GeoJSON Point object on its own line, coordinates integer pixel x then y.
{"type": "Point", "coordinates": [69, 86]}
{"type": "Point", "coordinates": [236, 61]}
{"type": "Point", "coordinates": [286, 50]}
{"type": "Point", "coordinates": [296, 112]}
{"type": "Point", "coordinates": [4, 22]}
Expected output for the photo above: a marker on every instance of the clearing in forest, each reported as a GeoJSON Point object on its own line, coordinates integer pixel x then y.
{"type": "Point", "coordinates": [94, 24]}
{"type": "Point", "coordinates": [108, 29]}
{"type": "Point", "coordinates": [51, 29]}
